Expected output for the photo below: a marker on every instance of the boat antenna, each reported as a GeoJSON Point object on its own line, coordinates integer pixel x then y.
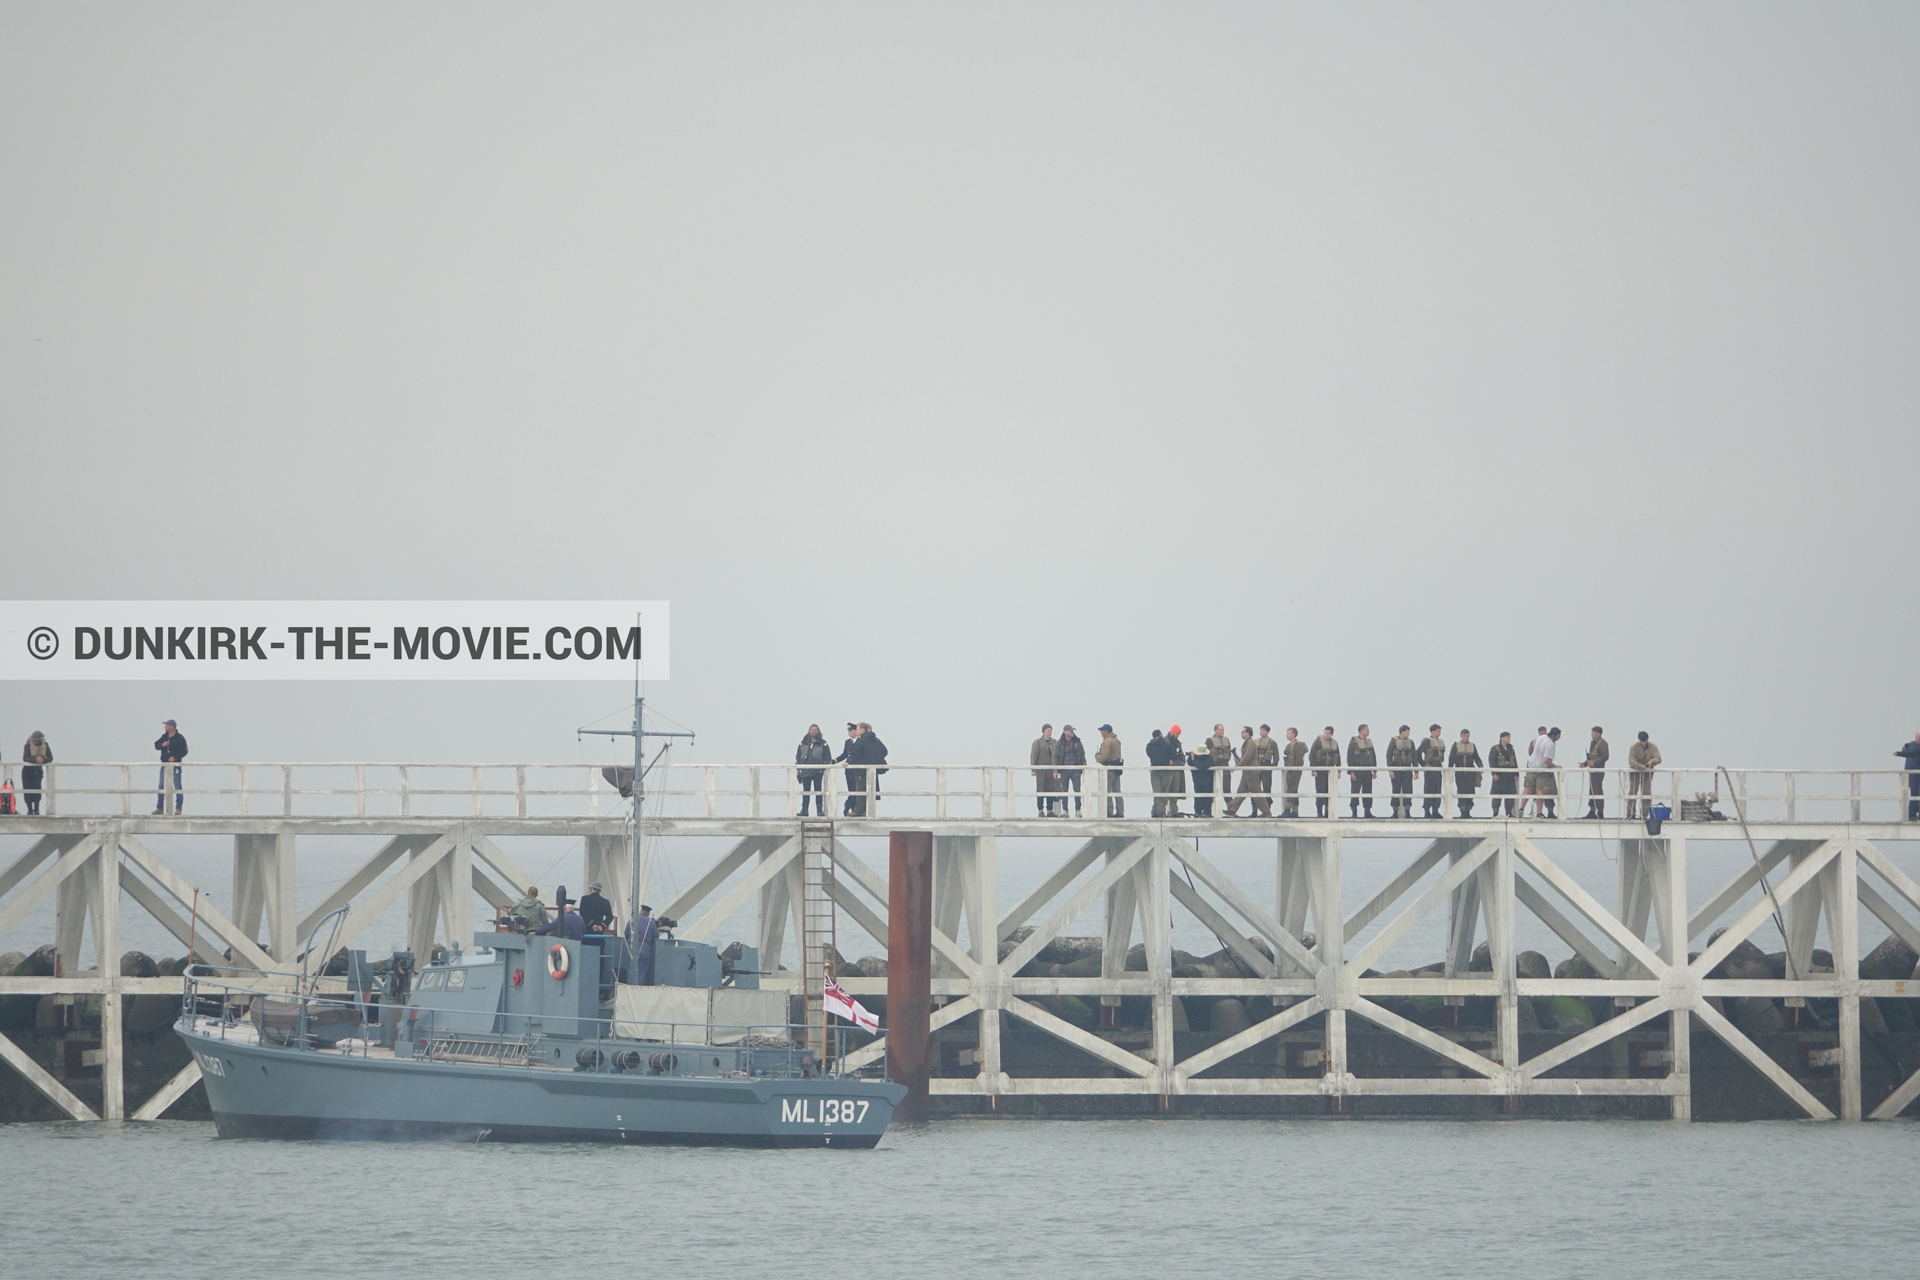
{"type": "Point", "coordinates": [639, 733]}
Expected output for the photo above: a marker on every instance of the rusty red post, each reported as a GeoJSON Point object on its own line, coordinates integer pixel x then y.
{"type": "Point", "coordinates": [910, 968]}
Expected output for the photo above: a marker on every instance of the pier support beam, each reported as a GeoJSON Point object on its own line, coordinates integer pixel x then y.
{"type": "Point", "coordinates": [106, 943]}
{"type": "Point", "coordinates": [1673, 934]}
{"type": "Point", "coordinates": [910, 968]}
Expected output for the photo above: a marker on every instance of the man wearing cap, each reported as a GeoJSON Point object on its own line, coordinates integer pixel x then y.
{"type": "Point", "coordinates": [1072, 751]}
{"type": "Point", "coordinates": [1433, 754]}
{"type": "Point", "coordinates": [1201, 762]}
{"type": "Point", "coordinates": [1295, 755]}
{"type": "Point", "coordinates": [1108, 754]}
{"type": "Point", "coordinates": [1463, 757]}
{"type": "Point", "coordinates": [1360, 752]}
{"type": "Point", "coordinates": [596, 911]}
{"type": "Point", "coordinates": [172, 746]}
{"type": "Point", "coordinates": [642, 933]}
{"type": "Point", "coordinates": [1642, 759]}
{"type": "Point", "coordinates": [1401, 754]}
{"type": "Point", "coordinates": [1325, 752]}
{"type": "Point", "coordinates": [1045, 752]}
{"type": "Point", "coordinates": [529, 910]}
{"type": "Point", "coordinates": [1597, 753]}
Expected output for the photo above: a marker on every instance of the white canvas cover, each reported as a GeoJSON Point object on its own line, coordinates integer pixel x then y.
{"type": "Point", "coordinates": [697, 1015]}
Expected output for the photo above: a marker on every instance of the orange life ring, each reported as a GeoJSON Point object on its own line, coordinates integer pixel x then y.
{"type": "Point", "coordinates": [557, 962]}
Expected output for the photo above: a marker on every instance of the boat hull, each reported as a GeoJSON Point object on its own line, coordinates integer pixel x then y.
{"type": "Point", "coordinates": [268, 1092]}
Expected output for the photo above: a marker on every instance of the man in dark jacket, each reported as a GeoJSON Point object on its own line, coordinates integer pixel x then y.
{"type": "Point", "coordinates": [595, 911]}
{"type": "Point", "coordinates": [642, 933]}
{"type": "Point", "coordinates": [1073, 751]}
{"type": "Point", "coordinates": [172, 746]}
{"type": "Point", "coordinates": [1910, 751]}
{"type": "Point", "coordinates": [813, 749]}
{"type": "Point", "coordinates": [1502, 759]}
{"type": "Point", "coordinates": [856, 778]}
{"type": "Point", "coordinates": [867, 749]}
{"type": "Point", "coordinates": [1161, 753]}
{"type": "Point", "coordinates": [1433, 754]}
{"type": "Point", "coordinates": [567, 924]}
{"type": "Point", "coordinates": [36, 757]}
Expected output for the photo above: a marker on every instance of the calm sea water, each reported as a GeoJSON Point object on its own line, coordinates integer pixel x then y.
{"type": "Point", "coordinates": [983, 1197]}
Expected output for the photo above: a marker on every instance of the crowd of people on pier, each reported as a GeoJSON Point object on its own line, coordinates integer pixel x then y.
{"type": "Point", "coordinates": [1517, 787]}
{"type": "Point", "coordinates": [1524, 786]}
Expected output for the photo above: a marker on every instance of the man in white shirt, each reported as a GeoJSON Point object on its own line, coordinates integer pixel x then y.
{"type": "Point", "coordinates": [1540, 766]}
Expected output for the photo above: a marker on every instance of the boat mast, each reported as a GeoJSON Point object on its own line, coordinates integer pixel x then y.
{"type": "Point", "coordinates": [639, 733]}
{"type": "Point", "coordinates": [639, 799]}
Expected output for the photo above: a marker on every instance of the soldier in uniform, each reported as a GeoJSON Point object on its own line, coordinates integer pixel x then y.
{"type": "Point", "coordinates": [529, 910]}
{"type": "Point", "coordinates": [1266, 754]}
{"type": "Point", "coordinates": [1463, 756]}
{"type": "Point", "coordinates": [1108, 754]}
{"type": "Point", "coordinates": [1401, 753]}
{"type": "Point", "coordinates": [1503, 756]}
{"type": "Point", "coordinates": [1220, 747]}
{"type": "Point", "coordinates": [1295, 755]}
{"type": "Point", "coordinates": [1433, 754]}
{"type": "Point", "coordinates": [1325, 752]}
{"type": "Point", "coordinates": [1597, 754]}
{"type": "Point", "coordinates": [1642, 759]}
{"type": "Point", "coordinates": [1245, 756]}
{"type": "Point", "coordinates": [1360, 752]}
{"type": "Point", "coordinates": [1045, 752]}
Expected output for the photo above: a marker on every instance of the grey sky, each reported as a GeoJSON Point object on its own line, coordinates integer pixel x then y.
{"type": "Point", "coordinates": [961, 367]}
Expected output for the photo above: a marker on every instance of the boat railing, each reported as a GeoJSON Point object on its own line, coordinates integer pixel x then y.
{"type": "Point", "coordinates": [225, 1001]}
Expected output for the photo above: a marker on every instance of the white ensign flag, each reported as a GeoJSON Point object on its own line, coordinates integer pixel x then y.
{"type": "Point", "coordinates": [848, 1009]}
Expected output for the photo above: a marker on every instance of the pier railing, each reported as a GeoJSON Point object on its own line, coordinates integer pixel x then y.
{"type": "Point", "coordinates": [685, 790]}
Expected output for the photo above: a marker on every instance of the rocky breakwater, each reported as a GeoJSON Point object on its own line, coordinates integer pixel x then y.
{"type": "Point", "coordinates": [63, 1034]}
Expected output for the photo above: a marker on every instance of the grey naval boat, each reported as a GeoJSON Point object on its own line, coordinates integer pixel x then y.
{"type": "Point", "coordinates": [528, 1039]}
